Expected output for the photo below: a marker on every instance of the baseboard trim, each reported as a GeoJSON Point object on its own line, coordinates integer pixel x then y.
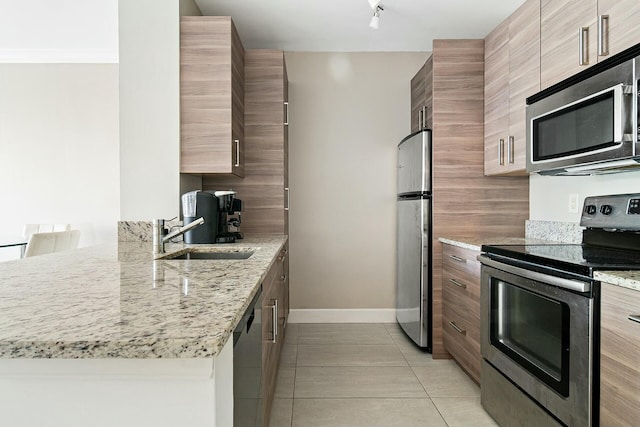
{"type": "Point", "coordinates": [356, 315]}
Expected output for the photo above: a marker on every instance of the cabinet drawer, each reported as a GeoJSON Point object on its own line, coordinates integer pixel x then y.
{"type": "Point", "coordinates": [619, 357]}
{"type": "Point", "coordinates": [459, 341]}
{"type": "Point", "coordinates": [462, 260]}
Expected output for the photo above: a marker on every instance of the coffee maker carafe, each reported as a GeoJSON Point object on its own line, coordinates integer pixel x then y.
{"type": "Point", "coordinates": [221, 213]}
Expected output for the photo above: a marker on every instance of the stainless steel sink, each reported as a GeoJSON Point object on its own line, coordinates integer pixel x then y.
{"type": "Point", "coordinates": [212, 255]}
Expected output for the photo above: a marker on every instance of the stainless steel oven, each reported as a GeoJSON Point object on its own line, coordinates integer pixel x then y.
{"type": "Point", "coordinates": [538, 331]}
{"type": "Point", "coordinates": [540, 318]}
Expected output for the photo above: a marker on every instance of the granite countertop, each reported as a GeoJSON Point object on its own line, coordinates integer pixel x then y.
{"type": "Point", "coordinates": [625, 279]}
{"type": "Point", "coordinates": [117, 302]}
{"type": "Point", "coordinates": [474, 243]}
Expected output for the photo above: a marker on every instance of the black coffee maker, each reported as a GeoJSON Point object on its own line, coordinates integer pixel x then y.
{"type": "Point", "coordinates": [221, 213]}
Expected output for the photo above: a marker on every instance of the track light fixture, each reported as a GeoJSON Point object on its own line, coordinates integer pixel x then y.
{"type": "Point", "coordinates": [375, 20]}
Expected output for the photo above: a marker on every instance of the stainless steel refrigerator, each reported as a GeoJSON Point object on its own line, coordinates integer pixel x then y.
{"type": "Point", "coordinates": [413, 295]}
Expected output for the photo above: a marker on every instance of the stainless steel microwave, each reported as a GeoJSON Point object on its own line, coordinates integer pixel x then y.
{"type": "Point", "coordinates": [587, 124]}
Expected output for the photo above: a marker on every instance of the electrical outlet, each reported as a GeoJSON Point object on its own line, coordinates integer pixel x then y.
{"type": "Point", "coordinates": [573, 203]}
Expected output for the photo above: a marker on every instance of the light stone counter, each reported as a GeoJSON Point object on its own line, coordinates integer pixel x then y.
{"type": "Point", "coordinates": [475, 243]}
{"type": "Point", "coordinates": [625, 279]}
{"type": "Point", "coordinates": [117, 302]}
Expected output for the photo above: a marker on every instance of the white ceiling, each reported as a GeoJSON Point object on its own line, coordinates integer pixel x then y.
{"type": "Point", "coordinates": [343, 25]}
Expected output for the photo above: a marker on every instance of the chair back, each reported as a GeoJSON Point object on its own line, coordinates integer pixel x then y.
{"type": "Point", "coordinates": [56, 241]}
{"type": "Point", "coordinates": [29, 229]}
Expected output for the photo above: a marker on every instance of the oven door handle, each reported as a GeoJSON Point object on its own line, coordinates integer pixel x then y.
{"type": "Point", "coordinates": [572, 285]}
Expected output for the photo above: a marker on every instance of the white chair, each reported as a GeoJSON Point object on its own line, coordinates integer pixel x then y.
{"type": "Point", "coordinates": [57, 241]}
{"type": "Point", "coordinates": [29, 229]}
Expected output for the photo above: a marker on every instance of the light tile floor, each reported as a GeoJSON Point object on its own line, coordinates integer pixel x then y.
{"type": "Point", "coordinates": [351, 375]}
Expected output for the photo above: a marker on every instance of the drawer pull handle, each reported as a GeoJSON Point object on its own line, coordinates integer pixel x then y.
{"type": "Point", "coordinates": [457, 328]}
{"type": "Point", "coordinates": [635, 318]}
{"type": "Point", "coordinates": [458, 284]}
{"type": "Point", "coordinates": [457, 258]}
{"type": "Point", "coordinates": [283, 278]}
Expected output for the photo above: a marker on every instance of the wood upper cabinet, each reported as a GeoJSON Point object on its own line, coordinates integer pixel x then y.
{"type": "Point", "coordinates": [621, 25]}
{"type": "Point", "coordinates": [619, 356]}
{"type": "Point", "coordinates": [421, 97]}
{"type": "Point", "coordinates": [461, 307]}
{"type": "Point", "coordinates": [512, 73]}
{"type": "Point", "coordinates": [602, 27]}
{"type": "Point", "coordinates": [211, 96]}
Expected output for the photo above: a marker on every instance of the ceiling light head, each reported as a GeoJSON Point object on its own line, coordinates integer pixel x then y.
{"type": "Point", "coordinates": [374, 4]}
{"type": "Point", "coordinates": [375, 20]}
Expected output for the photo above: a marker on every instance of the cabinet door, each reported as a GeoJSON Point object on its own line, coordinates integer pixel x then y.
{"type": "Point", "coordinates": [270, 344]}
{"type": "Point", "coordinates": [211, 96]}
{"type": "Point", "coordinates": [560, 22]}
{"type": "Point", "coordinates": [622, 28]}
{"type": "Point", "coordinates": [237, 101]}
{"type": "Point", "coordinates": [287, 190]}
{"type": "Point", "coordinates": [496, 99]}
{"type": "Point", "coordinates": [619, 357]}
{"type": "Point", "coordinates": [418, 88]}
{"type": "Point", "coordinates": [524, 79]}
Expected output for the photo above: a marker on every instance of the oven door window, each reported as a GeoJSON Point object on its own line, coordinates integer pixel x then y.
{"type": "Point", "coordinates": [533, 331]}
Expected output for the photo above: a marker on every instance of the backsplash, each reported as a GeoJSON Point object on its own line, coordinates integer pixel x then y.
{"type": "Point", "coordinates": [555, 231]}
{"type": "Point", "coordinates": [142, 231]}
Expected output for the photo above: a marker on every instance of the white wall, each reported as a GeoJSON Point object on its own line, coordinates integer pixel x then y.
{"type": "Point", "coordinates": [59, 121]}
{"type": "Point", "coordinates": [59, 31]}
{"type": "Point", "coordinates": [149, 109]}
{"type": "Point", "coordinates": [348, 111]}
{"type": "Point", "coordinates": [549, 195]}
{"type": "Point", "coordinates": [59, 148]}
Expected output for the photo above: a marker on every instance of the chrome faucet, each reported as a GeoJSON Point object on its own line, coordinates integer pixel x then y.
{"type": "Point", "coordinates": [159, 239]}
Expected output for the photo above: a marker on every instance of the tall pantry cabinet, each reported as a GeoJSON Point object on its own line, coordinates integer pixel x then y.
{"type": "Point", "coordinates": [465, 201]}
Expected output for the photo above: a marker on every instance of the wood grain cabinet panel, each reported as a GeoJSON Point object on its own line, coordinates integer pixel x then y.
{"type": "Point", "coordinates": [461, 307]}
{"type": "Point", "coordinates": [211, 96]}
{"type": "Point", "coordinates": [621, 25]}
{"type": "Point", "coordinates": [619, 357]}
{"type": "Point", "coordinates": [265, 187]}
{"type": "Point", "coordinates": [421, 97]}
{"type": "Point", "coordinates": [465, 201]}
{"type": "Point", "coordinates": [512, 73]}
{"type": "Point", "coordinates": [560, 24]}
{"type": "Point", "coordinates": [610, 26]}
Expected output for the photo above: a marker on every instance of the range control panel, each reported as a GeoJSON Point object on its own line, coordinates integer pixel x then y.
{"type": "Point", "coordinates": [618, 211]}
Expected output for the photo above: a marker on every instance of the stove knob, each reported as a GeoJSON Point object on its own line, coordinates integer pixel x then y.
{"type": "Point", "coordinates": [590, 209]}
{"type": "Point", "coordinates": [606, 209]}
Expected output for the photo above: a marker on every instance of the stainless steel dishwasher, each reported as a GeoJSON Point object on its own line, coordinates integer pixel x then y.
{"type": "Point", "coordinates": [247, 366]}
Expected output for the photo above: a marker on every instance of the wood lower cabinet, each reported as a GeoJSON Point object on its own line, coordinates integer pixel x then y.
{"type": "Point", "coordinates": [461, 307]}
{"type": "Point", "coordinates": [275, 313]}
{"type": "Point", "coordinates": [619, 356]}
{"type": "Point", "coordinates": [421, 97]}
{"type": "Point", "coordinates": [211, 96]}
{"type": "Point", "coordinates": [512, 73]}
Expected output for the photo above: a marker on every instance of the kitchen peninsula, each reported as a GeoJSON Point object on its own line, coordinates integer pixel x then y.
{"type": "Point", "coordinates": [108, 336]}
